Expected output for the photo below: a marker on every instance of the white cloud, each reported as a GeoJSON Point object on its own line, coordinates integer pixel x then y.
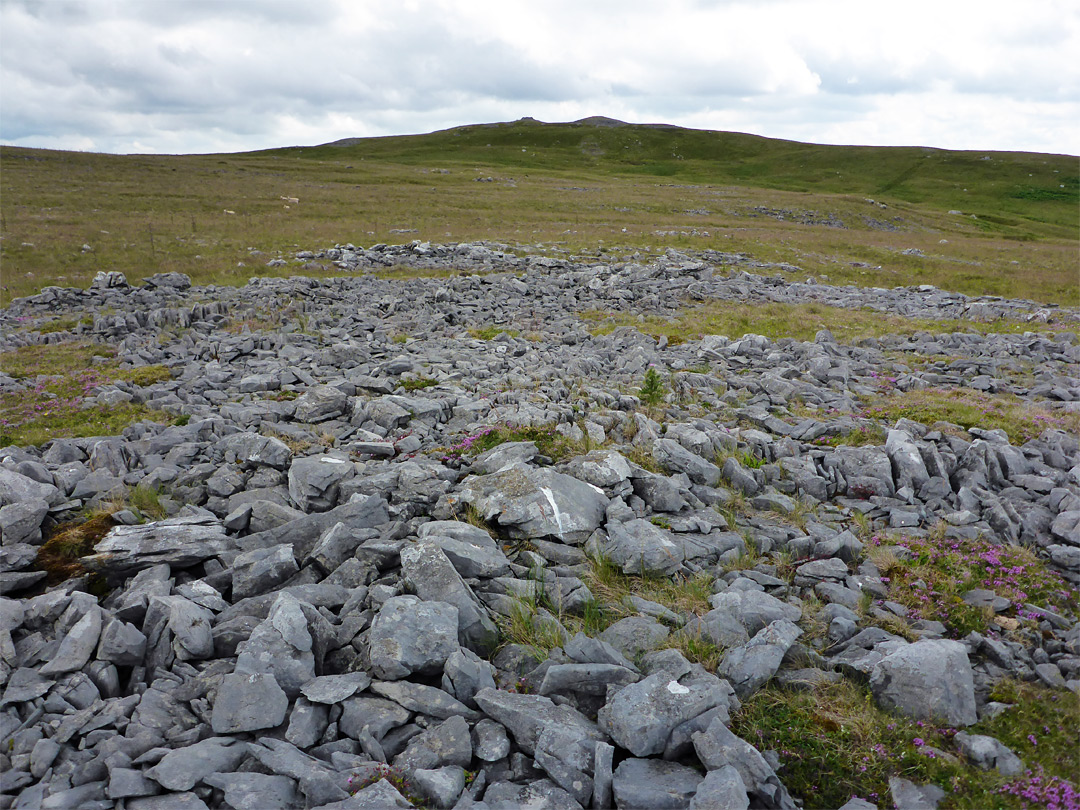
{"type": "Point", "coordinates": [221, 75]}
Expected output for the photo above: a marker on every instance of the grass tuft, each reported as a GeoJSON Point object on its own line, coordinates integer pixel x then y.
{"type": "Point", "coordinates": [59, 554]}
{"type": "Point", "coordinates": [929, 575]}
{"type": "Point", "coordinates": [1021, 419]}
{"type": "Point", "coordinates": [835, 743]}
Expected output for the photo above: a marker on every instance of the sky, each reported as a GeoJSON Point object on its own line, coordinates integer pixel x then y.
{"type": "Point", "coordinates": [188, 76]}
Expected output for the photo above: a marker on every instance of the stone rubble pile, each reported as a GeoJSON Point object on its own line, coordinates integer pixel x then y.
{"type": "Point", "coordinates": [329, 594]}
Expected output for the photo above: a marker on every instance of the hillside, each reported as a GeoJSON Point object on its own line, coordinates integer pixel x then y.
{"type": "Point", "coordinates": [974, 222]}
{"type": "Point", "coordinates": [1034, 188]}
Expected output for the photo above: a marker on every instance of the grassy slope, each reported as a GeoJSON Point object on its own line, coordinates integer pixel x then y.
{"type": "Point", "coordinates": [576, 185]}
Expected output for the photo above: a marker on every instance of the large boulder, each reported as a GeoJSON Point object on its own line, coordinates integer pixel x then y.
{"type": "Point", "coordinates": [289, 643]}
{"type": "Point", "coordinates": [411, 636]}
{"type": "Point", "coordinates": [526, 717]}
{"type": "Point", "coordinates": [315, 481]}
{"type": "Point", "coordinates": [642, 716]}
{"type": "Point", "coordinates": [675, 458]}
{"type": "Point", "coordinates": [638, 547]}
{"type": "Point", "coordinates": [320, 403]}
{"type": "Point", "coordinates": [749, 667]}
{"type": "Point", "coordinates": [654, 783]}
{"type": "Point", "coordinates": [537, 503]}
{"type": "Point", "coordinates": [253, 450]}
{"type": "Point", "coordinates": [927, 680]}
{"type": "Point", "coordinates": [430, 575]}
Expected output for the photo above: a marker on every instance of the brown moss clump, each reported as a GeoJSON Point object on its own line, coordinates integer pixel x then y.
{"type": "Point", "coordinates": [60, 554]}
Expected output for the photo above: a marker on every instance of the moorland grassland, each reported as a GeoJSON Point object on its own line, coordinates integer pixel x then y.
{"type": "Point", "coordinates": [845, 212]}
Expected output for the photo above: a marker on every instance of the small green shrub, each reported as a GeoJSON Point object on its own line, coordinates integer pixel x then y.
{"type": "Point", "coordinates": [147, 501]}
{"type": "Point", "coordinates": [652, 388]}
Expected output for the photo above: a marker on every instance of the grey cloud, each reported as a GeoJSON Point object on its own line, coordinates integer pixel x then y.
{"type": "Point", "coordinates": [211, 72]}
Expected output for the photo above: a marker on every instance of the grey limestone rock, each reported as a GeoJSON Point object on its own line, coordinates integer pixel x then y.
{"type": "Point", "coordinates": [281, 645]}
{"type": "Point", "coordinates": [465, 674]}
{"type": "Point", "coordinates": [471, 550]}
{"type": "Point", "coordinates": [335, 688]}
{"type": "Point", "coordinates": [526, 716]}
{"type": "Point", "coordinates": [722, 626]}
{"type": "Point", "coordinates": [315, 481]}
{"type": "Point", "coordinates": [181, 542]}
{"type": "Point", "coordinates": [529, 502]}
{"type": "Point", "coordinates": [635, 635]}
{"type": "Point", "coordinates": [253, 450]}
{"type": "Point", "coordinates": [446, 744]}
{"type": "Point", "coordinates": [256, 791]}
{"type": "Point", "coordinates": [248, 702]}
{"type": "Point", "coordinates": [185, 767]}
{"type": "Point", "coordinates": [755, 609]}
{"type": "Point", "coordinates": [718, 747]}
{"type": "Point", "coordinates": [307, 722]}
{"type": "Point", "coordinates": [18, 488]}
{"type": "Point", "coordinates": [20, 522]}
{"type": "Point", "coordinates": [654, 783]}
{"type": "Point", "coordinates": [542, 794]}
{"type": "Point", "coordinates": [429, 574]}
{"type": "Point", "coordinates": [641, 716]}
{"type": "Point", "coordinates": [490, 742]}
{"type": "Point", "coordinates": [675, 458]}
{"type": "Point", "coordinates": [320, 403]}
{"type": "Point", "coordinates": [440, 786]}
{"type": "Point", "coordinates": [639, 547]}
{"type": "Point", "coordinates": [77, 646]}
{"type": "Point", "coordinates": [261, 570]}
{"type": "Point", "coordinates": [504, 455]}
{"type": "Point", "coordinates": [423, 699]}
{"type": "Point", "coordinates": [750, 666]}
{"type": "Point", "coordinates": [377, 714]}
{"type": "Point", "coordinates": [927, 680]}
{"type": "Point", "coordinates": [907, 795]}
{"type": "Point", "coordinates": [988, 752]}
{"type": "Point", "coordinates": [412, 636]}
{"type": "Point", "coordinates": [319, 783]}
{"type": "Point", "coordinates": [722, 789]}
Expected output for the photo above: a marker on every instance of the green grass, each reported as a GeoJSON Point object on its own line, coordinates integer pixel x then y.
{"type": "Point", "coordinates": [147, 501]}
{"type": "Point", "coordinates": [575, 187]}
{"type": "Point", "coordinates": [835, 743]}
{"type": "Point", "coordinates": [1021, 419]}
{"type": "Point", "coordinates": [418, 383]}
{"type": "Point", "coordinates": [929, 575]}
{"type": "Point", "coordinates": [777, 320]}
{"type": "Point", "coordinates": [610, 586]}
{"type": "Point", "coordinates": [548, 441]}
{"type": "Point", "coordinates": [856, 437]}
{"type": "Point", "coordinates": [57, 378]}
{"type": "Point", "coordinates": [491, 332]}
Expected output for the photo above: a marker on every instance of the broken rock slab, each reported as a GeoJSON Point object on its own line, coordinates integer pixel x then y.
{"type": "Point", "coordinates": [181, 542]}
